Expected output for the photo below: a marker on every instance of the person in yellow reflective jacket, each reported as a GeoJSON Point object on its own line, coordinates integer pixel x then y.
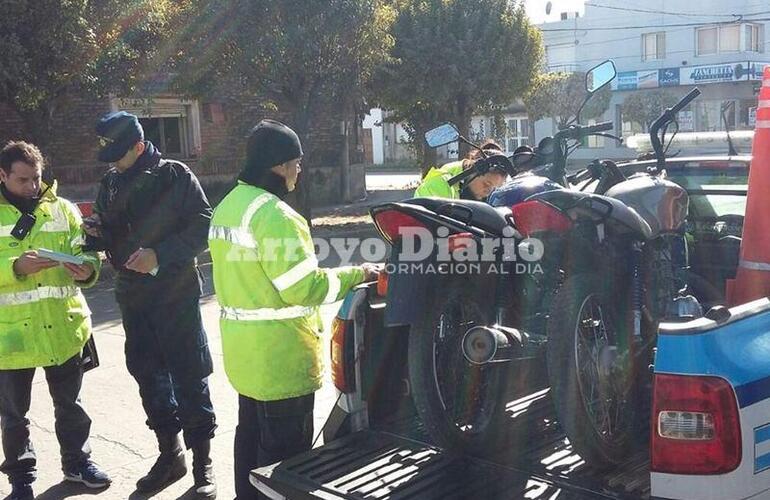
{"type": "Point", "coordinates": [269, 286]}
{"type": "Point", "coordinates": [436, 181]}
{"type": "Point", "coordinates": [44, 319]}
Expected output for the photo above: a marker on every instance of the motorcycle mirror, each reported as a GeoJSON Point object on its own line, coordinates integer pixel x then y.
{"type": "Point", "coordinates": [600, 75]}
{"type": "Point", "coordinates": [442, 135]}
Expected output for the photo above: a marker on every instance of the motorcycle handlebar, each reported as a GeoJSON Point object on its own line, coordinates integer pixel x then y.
{"type": "Point", "coordinates": [668, 116]}
{"type": "Point", "coordinates": [578, 132]}
{"type": "Point", "coordinates": [599, 127]}
{"type": "Point", "coordinates": [500, 162]}
{"type": "Point", "coordinates": [583, 176]}
{"type": "Point", "coordinates": [462, 176]}
{"type": "Point", "coordinates": [685, 101]}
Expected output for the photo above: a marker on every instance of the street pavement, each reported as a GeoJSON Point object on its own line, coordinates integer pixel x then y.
{"type": "Point", "coordinates": [121, 442]}
{"type": "Point", "coordinates": [377, 181]}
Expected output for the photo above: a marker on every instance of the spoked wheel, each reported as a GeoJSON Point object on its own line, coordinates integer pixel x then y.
{"type": "Point", "coordinates": [459, 402]}
{"type": "Point", "coordinates": [590, 366]}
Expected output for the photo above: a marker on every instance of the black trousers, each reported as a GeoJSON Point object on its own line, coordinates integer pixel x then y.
{"type": "Point", "coordinates": [72, 423]}
{"type": "Point", "coordinates": [268, 432]}
{"type": "Point", "coordinates": [168, 355]}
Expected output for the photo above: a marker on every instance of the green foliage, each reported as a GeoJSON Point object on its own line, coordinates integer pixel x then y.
{"type": "Point", "coordinates": [53, 48]}
{"type": "Point", "coordinates": [644, 106]}
{"type": "Point", "coordinates": [559, 96]}
{"type": "Point", "coordinates": [298, 53]}
{"type": "Point", "coordinates": [453, 58]}
{"type": "Point", "coordinates": [295, 51]}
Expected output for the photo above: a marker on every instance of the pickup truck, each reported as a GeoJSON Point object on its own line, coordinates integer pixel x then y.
{"type": "Point", "coordinates": [708, 416]}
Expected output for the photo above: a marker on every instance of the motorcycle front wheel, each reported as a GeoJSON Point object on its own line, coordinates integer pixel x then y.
{"type": "Point", "coordinates": [590, 368]}
{"type": "Point", "coordinates": [460, 403]}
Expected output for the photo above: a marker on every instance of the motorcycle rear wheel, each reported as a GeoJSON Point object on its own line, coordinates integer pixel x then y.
{"type": "Point", "coordinates": [460, 404]}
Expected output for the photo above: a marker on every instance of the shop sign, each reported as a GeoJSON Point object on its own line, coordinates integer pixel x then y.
{"type": "Point", "coordinates": [668, 77]}
{"type": "Point", "coordinates": [647, 79]}
{"type": "Point", "coordinates": [627, 80]}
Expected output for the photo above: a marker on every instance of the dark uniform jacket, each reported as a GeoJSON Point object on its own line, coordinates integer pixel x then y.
{"type": "Point", "coordinates": [156, 204]}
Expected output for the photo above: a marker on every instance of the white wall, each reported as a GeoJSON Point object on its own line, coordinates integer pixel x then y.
{"type": "Point", "coordinates": [373, 121]}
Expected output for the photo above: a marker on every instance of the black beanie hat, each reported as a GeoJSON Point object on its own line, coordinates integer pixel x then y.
{"type": "Point", "coordinates": [270, 143]}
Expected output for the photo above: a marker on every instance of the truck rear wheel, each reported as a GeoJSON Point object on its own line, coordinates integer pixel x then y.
{"type": "Point", "coordinates": [459, 403]}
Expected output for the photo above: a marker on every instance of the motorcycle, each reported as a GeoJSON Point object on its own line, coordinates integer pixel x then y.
{"type": "Point", "coordinates": [624, 271]}
{"type": "Point", "coordinates": [466, 322]}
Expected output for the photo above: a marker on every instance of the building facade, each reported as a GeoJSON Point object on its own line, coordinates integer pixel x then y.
{"type": "Point", "coordinates": [673, 45]}
{"type": "Point", "coordinates": [208, 133]}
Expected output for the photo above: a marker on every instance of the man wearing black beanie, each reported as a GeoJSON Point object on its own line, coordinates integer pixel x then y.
{"type": "Point", "coordinates": [269, 287]}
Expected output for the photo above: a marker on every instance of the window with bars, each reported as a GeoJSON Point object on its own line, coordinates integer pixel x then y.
{"type": "Point", "coordinates": [167, 133]}
{"type": "Point", "coordinates": [172, 124]}
{"type": "Point", "coordinates": [516, 133]}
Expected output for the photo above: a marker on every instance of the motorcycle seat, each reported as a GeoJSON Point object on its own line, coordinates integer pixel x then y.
{"type": "Point", "coordinates": [474, 213]}
{"type": "Point", "coordinates": [577, 204]}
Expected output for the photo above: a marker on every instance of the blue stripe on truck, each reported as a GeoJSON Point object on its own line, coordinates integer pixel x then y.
{"type": "Point", "coordinates": [761, 463]}
{"type": "Point", "coordinates": [761, 453]}
{"type": "Point", "coordinates": [762, 434]}
{"type": "Point", "coordinates": [347, 303]}
{"type": "Point", "coordinates": [753, 392]}
{"type": "Point", "coordinates": [738, 352]}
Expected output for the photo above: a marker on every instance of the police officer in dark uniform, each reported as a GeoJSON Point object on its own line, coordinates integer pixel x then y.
{"type": "Point", "coordinates": [152, 217]}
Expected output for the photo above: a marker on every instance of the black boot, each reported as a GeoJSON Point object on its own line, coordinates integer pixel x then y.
{"type": "Point", "coordinates": [203, 471]}
{"type": "Point", "coordinates": [169, 467]}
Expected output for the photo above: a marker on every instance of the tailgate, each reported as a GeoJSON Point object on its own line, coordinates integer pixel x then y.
{"type": "Point", "coordinates": [371, 464]}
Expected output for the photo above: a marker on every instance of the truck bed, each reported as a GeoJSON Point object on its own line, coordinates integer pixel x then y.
{"type": "Point", "coordinates": [397, 461]}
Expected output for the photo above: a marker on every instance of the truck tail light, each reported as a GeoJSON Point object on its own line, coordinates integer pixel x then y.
{"type": "Point", "coordinates": [695, 425]}
{"type": "Point", "coordinates": [532, 217]}
{"type": "Point", "coordinates": [343, 355]}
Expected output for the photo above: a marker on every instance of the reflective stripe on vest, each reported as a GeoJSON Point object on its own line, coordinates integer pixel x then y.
{"type": "Point", "coordinates": [255, 205]}
{"type": "Point", "coordinates": [52, 226]}
{"type": "Point", "coordinates": [241, 235]}
{"type": "Point", "coordinates": [235, 236]}
{"type": "Point", "coordinates": [58, 222]}
{"type": "Point", "coordinates": [266, 314]}
{"type": "Point", "coordinates": [41, 293]}
{"type": "Point", "coordinates": [295, 274]}
{"type": "Point", "coordinates": [334, 288]}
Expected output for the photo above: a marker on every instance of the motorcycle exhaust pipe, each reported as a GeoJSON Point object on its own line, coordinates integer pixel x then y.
{"type": "Point", "coordinates": [492, 344]}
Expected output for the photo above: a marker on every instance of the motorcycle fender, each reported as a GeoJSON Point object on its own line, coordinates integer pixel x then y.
{"type": "Point", "coordinates": [407, 293]}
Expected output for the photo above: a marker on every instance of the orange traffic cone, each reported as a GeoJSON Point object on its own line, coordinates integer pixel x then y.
{"type": "Point", "coordinates": [752, 281]}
